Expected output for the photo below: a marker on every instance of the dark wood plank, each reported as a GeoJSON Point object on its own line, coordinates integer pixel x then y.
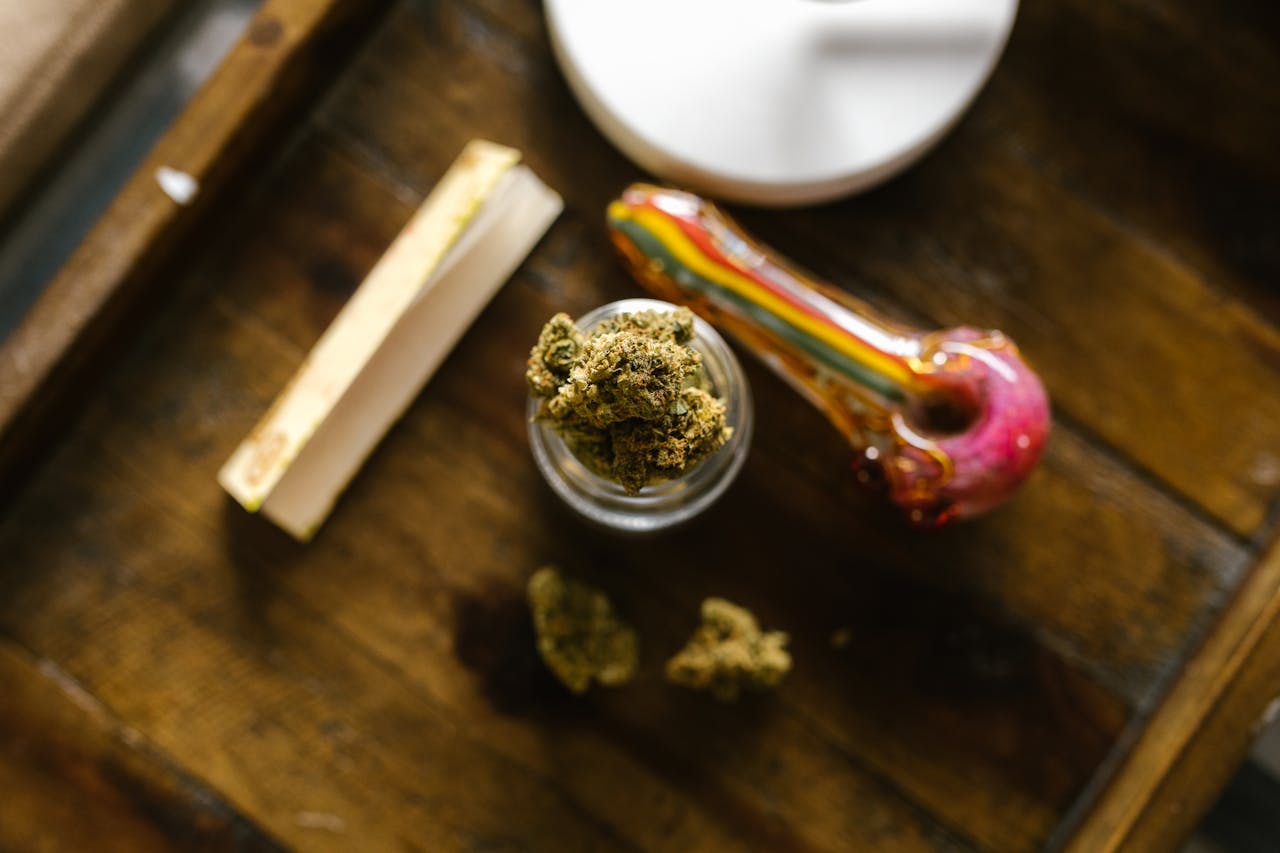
{"type": "Point", "coordinates": [319, 743]}
{"type": "Point", "coordinates": [1126, 336]}
{"type": "Point", "coordinates": [983, 702]}
{"type": "Point", "coordinates": [73, 775]}
{"type": "Point", "coordinates": [1070, 599]}
{"type": "Point", "coordinates": [411, 154]}
{"type": "Point", "coordinates": [58, 66]}
{"type": "Point", "coordinates": [1202, 731]}
{"type": "Point", "coordinates": [1069, 595]}
{"type": "Point", "coordinates": [288, 48]}
{"type": "Point", "coordinates": [1163, 115]}
{"type": "Point", "coordinates": [451, 738]}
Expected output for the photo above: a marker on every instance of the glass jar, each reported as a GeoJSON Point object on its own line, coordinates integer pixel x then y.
{"type": "Point", "coordinates": [669, 502]}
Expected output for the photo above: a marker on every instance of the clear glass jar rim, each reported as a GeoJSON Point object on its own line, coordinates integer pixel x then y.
{"type": "Point", "coordinates": [672, 501]}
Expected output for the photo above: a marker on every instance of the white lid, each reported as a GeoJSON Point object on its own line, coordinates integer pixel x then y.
{"type": "Point", "coordinates": [777, 101]}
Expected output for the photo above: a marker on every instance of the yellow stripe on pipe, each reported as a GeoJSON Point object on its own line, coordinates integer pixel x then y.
{"type": "Point", "coordinates": [691, 256]}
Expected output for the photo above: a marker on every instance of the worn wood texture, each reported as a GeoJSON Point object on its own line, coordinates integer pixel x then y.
{"type": "Point", "coordinates": [1063, 668]}
{"type": "Point", "coordinates": [1123, 330]}
{"type": "Point", "coordinates": [60, 57]}
{"type": "Point", "coordinates": [71, 330]}
{"type": "Point", "coordinates": [1209, 722]}
{"type": "Point", "coordinates": [76, 776]}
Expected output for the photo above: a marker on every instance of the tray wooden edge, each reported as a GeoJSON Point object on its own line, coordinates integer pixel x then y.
{"type": "Point", "coordinates": [276, 68]}
{"type": "Point", "coordinates": [1200, 732]}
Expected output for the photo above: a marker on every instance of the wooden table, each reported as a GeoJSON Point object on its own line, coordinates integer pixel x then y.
{"type": "Point", "coordinates": [60, 57]}
{"type": "Point", "coordinates": [1080, 670]}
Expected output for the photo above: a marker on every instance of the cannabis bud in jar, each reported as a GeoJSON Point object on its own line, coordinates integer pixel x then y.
{"type": "Point", "coordinates": [729, 652]}
{"type": "Point", "coordinates": [629, 398]}
{"type": "Point", "coordinates": [580, 637]}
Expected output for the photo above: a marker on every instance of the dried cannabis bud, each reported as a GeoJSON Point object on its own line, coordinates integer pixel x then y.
{"type": "Point", "coordinates": [630, 399]}
{"type": "Point", "coordinates": [554, 355]}
{"type": "Point", "coordinates": [580, 638]}
{"type": "Point", "coordinates": [729, 652]}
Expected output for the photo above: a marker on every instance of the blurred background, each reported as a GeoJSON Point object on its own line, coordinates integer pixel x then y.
{"type": "Point", "coordinates": [86, 88]}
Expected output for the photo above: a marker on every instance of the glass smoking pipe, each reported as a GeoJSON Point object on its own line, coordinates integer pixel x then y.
{"type": "Point", "coordinates": [949, 423]}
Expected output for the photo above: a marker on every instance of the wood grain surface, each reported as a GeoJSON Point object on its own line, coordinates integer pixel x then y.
{"type": "Point", "coordinates": [1209, 721]}
{"type": "Point", "coordinates": [75, 776]}
{"type": "Point", "coordinates": [60, 57]}
{"type": "Point", "coordinates": [1077, 668]}
{"type": "Point", "coordinates": [103, 288]}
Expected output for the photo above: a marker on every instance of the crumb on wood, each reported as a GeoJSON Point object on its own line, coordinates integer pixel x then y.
{"type": "Point", "coordinates": [728, 652]}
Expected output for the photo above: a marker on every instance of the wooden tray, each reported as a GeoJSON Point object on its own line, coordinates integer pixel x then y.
{"type": "Point", "coordinates": [58, 63]}
{"type": "Point", "coordinates": [1080, 670]}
